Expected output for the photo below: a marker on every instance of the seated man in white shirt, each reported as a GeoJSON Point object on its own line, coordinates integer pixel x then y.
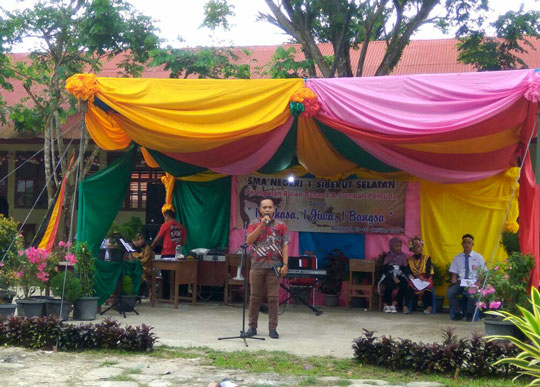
{"type": "Point", "coordinates": [464, 272]}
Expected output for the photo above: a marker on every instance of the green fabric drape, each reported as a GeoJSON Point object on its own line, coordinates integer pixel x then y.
{"type": "Point", "coordinates": [101, 197]}
{"type": "Point", "coordinates": [353, 152]}
{"type": "Point", "coordinates": [204, 209]}
{"type": "Point", "coordinates": [107, 275]}
{"type": "Point", "coordinates": [175, 167]}
{"type": "Point", "coordinates": [286, 153]}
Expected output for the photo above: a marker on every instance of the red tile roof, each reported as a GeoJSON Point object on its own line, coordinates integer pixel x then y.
{"type": "Point", "coordinates": [419, 57]}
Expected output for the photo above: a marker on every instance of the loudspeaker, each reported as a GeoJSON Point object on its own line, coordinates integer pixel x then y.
{"type": "Point", "coordinates": [155, 197]}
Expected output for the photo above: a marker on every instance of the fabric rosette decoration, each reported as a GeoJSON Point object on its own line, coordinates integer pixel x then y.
{"type": "Point", "coordinates": [533, 92]}
{"type": "Point", "coordinates": [82, 86]}
{"type": "Point", "coordinates": [304, 102]}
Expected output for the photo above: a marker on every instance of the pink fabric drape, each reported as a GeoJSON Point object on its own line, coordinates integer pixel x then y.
{"type": "Point", "coordinates": [420, 104]}
{"type": "Point", "coordinates": [529, 217]}
{"type": "Point", "coordinates": [239, 157]}
{"type": "Point", "coordinates": [423, 170]}
{"type": "Point", "coordinates": [378, 243]}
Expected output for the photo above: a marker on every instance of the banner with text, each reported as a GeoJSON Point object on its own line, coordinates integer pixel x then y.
{"type": "Point", "coordinates": [316, 205]}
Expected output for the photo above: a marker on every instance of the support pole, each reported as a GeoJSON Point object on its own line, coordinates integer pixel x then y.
{"type": "Point", "coordinates": [83, 108]}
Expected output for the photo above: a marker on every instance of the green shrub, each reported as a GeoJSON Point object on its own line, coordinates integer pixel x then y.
{"type": "Point", "coordinates": [473, 357]}
{"type": "Point", "coordinates": [84, 268]}
{"type": "Point", "coordinates": [510, 242]}
{"type": "Point", "coordinates": [527, 358]}
{"type": "Point", "coordinates": [73, 289]}
{"type": "Point", "coordinates": [48, 332]}
{"type": "Point", "coordinates": [127, 285]}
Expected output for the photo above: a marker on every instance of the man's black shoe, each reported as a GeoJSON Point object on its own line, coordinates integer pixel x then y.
{"type": "Point", "coordinates": [251, 332]}
{"type": "Point", "coordinates": [458, 317]}
{"type": "Point", "coordinates": [274, 334]}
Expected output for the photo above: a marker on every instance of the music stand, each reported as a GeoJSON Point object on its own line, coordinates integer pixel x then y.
{"type": "Point", "coordinates": [119, 304]}
{"type": "Point", "coordinates": [243, 331]}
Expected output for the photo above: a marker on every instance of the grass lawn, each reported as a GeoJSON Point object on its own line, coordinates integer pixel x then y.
{"type": "Point", "coordinates": [310, 368]}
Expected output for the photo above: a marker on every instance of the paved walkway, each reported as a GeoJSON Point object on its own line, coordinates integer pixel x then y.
{"type": "Point", "coordinates": [301, 331]}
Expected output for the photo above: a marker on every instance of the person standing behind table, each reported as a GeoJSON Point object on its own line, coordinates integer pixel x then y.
{"type": "Point", "coordinates": [173, 234]}
{"type": "Point", "coordinates": [395, 261]}
{"type": "Point", "coordinates": [270, 239]}
{"type": "Point", "coordinates": [464, 272]}
{"type": "Point", "coordinates": [145, 254]}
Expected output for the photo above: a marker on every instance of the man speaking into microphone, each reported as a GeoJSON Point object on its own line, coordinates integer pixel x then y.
{"type": "Point", "coordinates": [270, 239]}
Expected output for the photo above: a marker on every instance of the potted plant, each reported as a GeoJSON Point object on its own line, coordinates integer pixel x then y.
{"type": "Point", "coordinates": [32, 268]}
{"type": "Point", "coordinates": [8, 255]}
{"type": "Point", "coordinates": [440, 276]}
{"type": "Point", "coordinates": [68, 288]}
{"type": "Point", "coordinates": [86, 306]}
{"type": "Point", "coordinates": [336, 264]}
{"type": "Point", "coordinates": [128, 298]}
{"type": "Point", "coordinates": [505, 289]}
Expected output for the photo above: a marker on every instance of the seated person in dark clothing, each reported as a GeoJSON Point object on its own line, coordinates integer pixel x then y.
{"type": "Point", "coordinates": [393, 277]}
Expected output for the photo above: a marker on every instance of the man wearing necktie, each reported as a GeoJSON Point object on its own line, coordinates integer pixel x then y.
{"type": "Point", "coordinates": [464, 272]}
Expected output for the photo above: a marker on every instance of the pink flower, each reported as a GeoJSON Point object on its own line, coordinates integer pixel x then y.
{"type": "Point", "coordinates": [19, 274]}
{"type": "Point", "coordinates": [472, 290]}
{"type": "Point", "coordinates": [61, 244]}
{"type": "Point", "coordinates": [1, 264]}
{"type": "Point", "coordinates": [496, 268]}
{"type": "Point", "coordinates": [68, 245]}
{"type": "Point", "coordinates": [495, 304]}
{"type": "Point", "coordinates": [71, 259]}
{"type": "Point", "coordinates": [481, 305]}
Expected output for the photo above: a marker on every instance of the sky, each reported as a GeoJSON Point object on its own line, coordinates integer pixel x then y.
{"type": "Point", "coordinates": [182, 18]}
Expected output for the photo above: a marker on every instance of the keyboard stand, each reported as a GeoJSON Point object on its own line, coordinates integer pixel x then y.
{"type": "Point", "coordinates": [317, 312]}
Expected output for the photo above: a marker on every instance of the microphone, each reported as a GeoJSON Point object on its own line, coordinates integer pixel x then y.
{"type": "Point", "coordinates": [267, 221]}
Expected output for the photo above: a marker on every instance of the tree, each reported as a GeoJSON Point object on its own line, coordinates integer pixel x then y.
{"type": "Point", "coordinates": [73, 36]}
{"type": "Point", "coordinates": [350, 24]}
{"type": "Point", "coordinates": [513, 31]}
{"type": "Point", "coordinates": [205, 62]}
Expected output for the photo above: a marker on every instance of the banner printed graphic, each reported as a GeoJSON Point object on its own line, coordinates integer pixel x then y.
{"type": "Point", "coordinates": [317, 205]}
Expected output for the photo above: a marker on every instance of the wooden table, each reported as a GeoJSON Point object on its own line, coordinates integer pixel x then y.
{"type": "Point", "coordinates": [182, 273]}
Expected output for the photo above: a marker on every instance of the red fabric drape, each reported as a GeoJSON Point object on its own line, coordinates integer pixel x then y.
{"type": "Point", "coordinates": [529, 217]}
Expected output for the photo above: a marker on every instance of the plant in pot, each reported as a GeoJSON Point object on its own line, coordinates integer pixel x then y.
{"type": "Point", "coordinates": [68, 288]}
{"type": "Point", "coordinates": [128, 298]}
{"type": "Point", "coordinates": [440, 276]}
{"type": "Point", "coordinates": [8, 255]}
{"type": "Point", "coordinates": [505, 289]}
{"type": "Point", "coordinates": [335, 264]}
{"type": "Point", "coordinates": [86, 306]}
{"type": "Point", "coordinates": [32, 268]}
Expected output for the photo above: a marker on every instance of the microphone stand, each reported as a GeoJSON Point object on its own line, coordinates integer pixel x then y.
{"type": "Point", "coordinates": [239, 274]}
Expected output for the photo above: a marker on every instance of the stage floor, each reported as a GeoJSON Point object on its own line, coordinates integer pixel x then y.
{"type": "Point", "coordinates": [301, 332]}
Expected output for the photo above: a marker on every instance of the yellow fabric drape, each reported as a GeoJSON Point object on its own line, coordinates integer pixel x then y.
{"type": "Point", "coordinates": [317, 155]}
{"type": "Point", "coordinates": [168, 182]}
{"type": "Point", "coordinates": [447, 211]}
{"type": "Point", "coordinates": [188, 115]}
{"type": "Point", "coordinates": [148, 158]}
{"type": "Point", "coordinates": [104, 131]}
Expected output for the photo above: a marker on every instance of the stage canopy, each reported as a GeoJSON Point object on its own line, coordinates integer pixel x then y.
{"type": "Point", "coordinates": [444, 129]}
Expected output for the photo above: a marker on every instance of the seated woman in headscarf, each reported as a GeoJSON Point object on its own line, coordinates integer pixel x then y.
{"type": "Point", "coordinates": [420, 274]}
{"type": "Point", "coordinates": [145, 254]}
{"type": "Point", "coordinates": [393, 277]}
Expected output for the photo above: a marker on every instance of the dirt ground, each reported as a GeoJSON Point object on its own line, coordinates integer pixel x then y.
{"type": "Point", "coordinates": [302, 333]}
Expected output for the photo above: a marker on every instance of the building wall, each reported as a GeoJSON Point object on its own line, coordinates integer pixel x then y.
{"type": "Point", "coordinates": [36, 216]}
